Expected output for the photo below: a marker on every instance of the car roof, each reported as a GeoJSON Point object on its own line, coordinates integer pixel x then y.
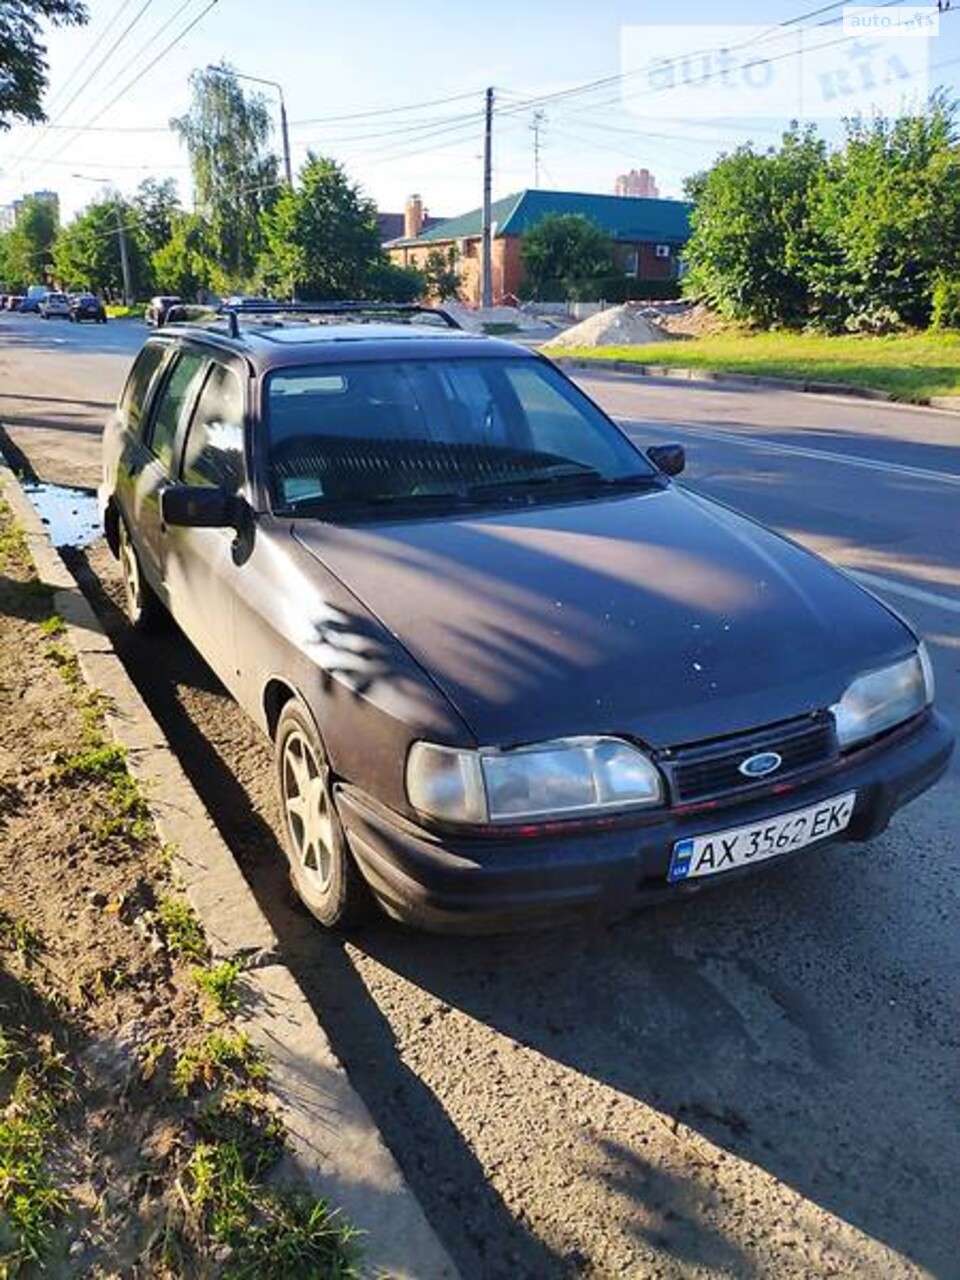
{"type": "Point", "coordinates": [291, 344]}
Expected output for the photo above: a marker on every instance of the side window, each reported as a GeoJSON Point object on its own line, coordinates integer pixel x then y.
{"type": "Point", "coordinates": [138, 384]}
{"type": "Point", "coordinates": [214, 450]}
{"type": "Point", "coordinates": [174, 394]}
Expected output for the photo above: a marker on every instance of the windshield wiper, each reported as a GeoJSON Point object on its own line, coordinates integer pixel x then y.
{"type": "Point", "coordinates": [575, 477]}
{"type": "Point", "coordinates": [320, 506]}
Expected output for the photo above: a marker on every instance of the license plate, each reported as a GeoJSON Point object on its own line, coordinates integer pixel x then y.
{"type": "Point", "coordinates": [740, 846]}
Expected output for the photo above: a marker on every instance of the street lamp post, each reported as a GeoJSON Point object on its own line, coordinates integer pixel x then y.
{"type": "Point", "coordinates": [121, 236]}
{"type": "Point", "coordinates": [284, 131]}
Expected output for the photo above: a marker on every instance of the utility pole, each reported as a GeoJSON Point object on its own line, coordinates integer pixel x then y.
{"type": "Point", "coordinates": [124, 258]}
{"type": "Point", "coordinates": [285, 134]}
{"type": "Point", "coordinates": [539, 117]}
{"type": "Point", "coordinates": [486, 266]}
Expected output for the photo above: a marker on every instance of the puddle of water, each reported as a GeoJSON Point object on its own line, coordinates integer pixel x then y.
{"type": "Point", "coordinates": [70, 515]}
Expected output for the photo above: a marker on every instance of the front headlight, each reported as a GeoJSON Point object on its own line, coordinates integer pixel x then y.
{"type": "Point", "coordinates": [571, 777]}
{"type": "Point", "coordinates": [882, 699]}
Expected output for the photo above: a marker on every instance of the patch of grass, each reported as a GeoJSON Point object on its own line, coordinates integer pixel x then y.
{"type": "Point", "coordinates": [182, 929]}
{"type": "Point", "coordinates": [493, 327]}
{"type": "Point", "coordinates": [53, 626]}
{"type": "Point", "coordinates": [219, 1059]}
{"type": "Point", "coordinates": [13, 543]}
{"type": "Point", "coordinates": [272, 1234]}
{"type": "Point", "coordinates": [241, 1116]}
{"type": "Point", "coordinates": [911, 367]}
{"type": "Point", "coordinates": [29, 1200]}
{"type": "Point", "coordinates": [295, 1236]}
{"type": "Point", "coordinates": [128, 813]}
{"type": "Point", "coordinates": [135, 312]}
{"type": "Point", "coordinates": [18, 936]}
{"type": "Point", "coordinates": [65, 661]}
{"type": "Point", "coordinates": [220, 984]}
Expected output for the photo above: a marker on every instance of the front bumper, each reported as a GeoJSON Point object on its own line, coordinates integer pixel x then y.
{"type": "Point", "coordinates": [469, 884]}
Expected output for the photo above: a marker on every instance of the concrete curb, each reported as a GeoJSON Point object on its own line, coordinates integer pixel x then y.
{"type": "Point", "coordinates": [946, 404]}
{"type": "Point", "coordinates": [336, 1146]}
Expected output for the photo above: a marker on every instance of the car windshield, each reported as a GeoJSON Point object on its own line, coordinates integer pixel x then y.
{"type": "Point", "coordinates": [416, 433]}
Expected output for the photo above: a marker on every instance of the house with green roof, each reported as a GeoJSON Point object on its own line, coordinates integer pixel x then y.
{"type": "Point", "coordinates": [648, 237]}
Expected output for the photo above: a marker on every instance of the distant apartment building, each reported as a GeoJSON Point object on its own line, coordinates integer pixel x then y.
{"type": "Point", "coordinates": [47, 197]}
{"type": "Point", "coordinates": [638, 183]}
{"type": "Point", "coordinates": [8, 218]}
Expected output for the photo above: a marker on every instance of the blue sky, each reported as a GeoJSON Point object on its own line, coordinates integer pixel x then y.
{"type": "Point", "coordinates": [337, 60]}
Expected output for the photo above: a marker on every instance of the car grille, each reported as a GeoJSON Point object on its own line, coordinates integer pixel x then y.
{"type": "Point", "coordinates": [706, 771]}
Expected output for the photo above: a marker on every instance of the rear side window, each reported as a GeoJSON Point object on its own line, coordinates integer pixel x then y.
{"type": "Point", "coordinates": [214, 449]}
{"type": "Point", "coordinates": [175, 393]}
{"type": "Point", "coordinates": [138, 384]}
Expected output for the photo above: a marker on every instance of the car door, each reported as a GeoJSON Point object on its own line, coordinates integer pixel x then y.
{"type": "Point", "coordinates": [203, 567]}
{"type": "Point", "coordinates": [170, 408]}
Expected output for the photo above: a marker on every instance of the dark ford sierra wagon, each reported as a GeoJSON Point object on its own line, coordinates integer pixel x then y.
{"type": "Point", "coordinates": [512, 670]}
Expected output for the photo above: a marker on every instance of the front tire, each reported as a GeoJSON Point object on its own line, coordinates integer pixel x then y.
{"type": "Point", "coordinates": [141, 603]}
{"type": "Point", "coordinates": [322, 870]}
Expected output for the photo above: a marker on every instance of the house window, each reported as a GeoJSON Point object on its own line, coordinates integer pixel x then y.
{"type": "Point", "coordinates": [663, 251]}
{"type": "Point", "coordinates": [631, 262]}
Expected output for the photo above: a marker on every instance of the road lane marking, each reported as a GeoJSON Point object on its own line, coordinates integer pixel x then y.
{"type": "Point", "coordinates": [950, 603]}
{"type": "Point", "coordinates": [796, 450]}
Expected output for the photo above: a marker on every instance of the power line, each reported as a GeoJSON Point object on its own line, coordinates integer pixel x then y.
{"type": "Point", "coordinates": [389, 111]}
{"type": "Point", "coordinates": [116, 44]}
{"type": "Point", "coordinates": [185, 31]}
{"type": "Point", "coordinates": [124, 4]}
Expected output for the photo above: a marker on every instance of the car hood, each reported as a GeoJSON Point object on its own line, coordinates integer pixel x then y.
{"type": "Point", "coordinates": [661, 616]}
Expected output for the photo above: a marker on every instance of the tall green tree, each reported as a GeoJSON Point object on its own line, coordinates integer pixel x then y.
{"type": "Point", "coordinates": [156, 207]}
{"type": "Point", "coordinates": [30, 243]}
{"type": "Point", "coordinates": [227, 134]}
{"type": "Point", "coordinates": [886, 213]}
{"type": "Point", "coordinates": [749, 248]}
{"type": "Point", "coordinates": [566, 255]}
{"type": "Point", "coordinates": [322, 237]}
{"type": "Point", "coordinates": [87, 251]}
{"type": "Point", "coordinates": [23, 54]}
{"type": "Point", "coordinates": [183, 265]}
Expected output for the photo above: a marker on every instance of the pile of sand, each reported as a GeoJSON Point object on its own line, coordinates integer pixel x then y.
{"type": "Point", "coordinates": [624, 326]}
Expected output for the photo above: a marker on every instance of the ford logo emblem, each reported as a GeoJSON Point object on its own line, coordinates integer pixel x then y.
{"type": "Point", "coordinates": [759, 766]}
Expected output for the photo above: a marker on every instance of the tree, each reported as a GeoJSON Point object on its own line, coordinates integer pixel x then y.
{"type": "Point", "coordinates": [29, 248]}
{"type": "Point", "coordinates": [747, 256]}
{"type": "Point", "coordinates": [87, 251]}
{"type": "Point", "coordinates": [227, 135]}
{"type": "Point", "coordinates": [440, 272]}
{"type": "Point", "coordinates": [156, 206]}
{"type": "Point", "coordinates": [886, 211]}
{"type": "Point", "coordinates": [182, 266]}
{"type": "Point", "coordinates": [23, 55]}
{"type": "Point", "coordinates": [566, 255]}
{"type": "Point", "coordinates": [322, 237]}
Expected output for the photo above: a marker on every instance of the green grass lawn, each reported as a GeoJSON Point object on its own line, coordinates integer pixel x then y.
{"type": "Point", "coordinates": [911, 367]}
{"type": "Point", "coordinates": [135, 312]}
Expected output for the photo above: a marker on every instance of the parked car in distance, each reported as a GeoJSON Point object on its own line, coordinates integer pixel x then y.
{"type": "Point", "coordinates": [15, 302]}
{"type": "Point", "coordinates": [55, 304]}
{"type": "Point", "coordinates": [86, 306]}
{"type": "Point", "coordinates": [158, 307]}
{"type": "Point", "coordinates": [30, 303]}
{"type": "Point", "coordinates": [512, 671]}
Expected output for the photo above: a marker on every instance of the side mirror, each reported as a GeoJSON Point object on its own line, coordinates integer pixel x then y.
{"type": "Point", "coordinates": [200, 507]}
{"type": "Point", "coordinates": [668, 458]}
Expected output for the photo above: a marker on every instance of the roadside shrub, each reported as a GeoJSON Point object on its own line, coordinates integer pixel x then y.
{"type": "Point", "coordinates": [874, 320]}
{"type": "Point", "coordinates": [946, 303]}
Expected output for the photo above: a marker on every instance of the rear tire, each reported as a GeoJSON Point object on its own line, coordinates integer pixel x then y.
{"type": "Point", "coordinates": [322, 870]}
{"type": "Point", "coordinates": [141, 603]}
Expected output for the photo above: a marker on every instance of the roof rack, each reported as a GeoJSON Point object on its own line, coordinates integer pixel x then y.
{"type": "Point", "coordinates": [359, 310]}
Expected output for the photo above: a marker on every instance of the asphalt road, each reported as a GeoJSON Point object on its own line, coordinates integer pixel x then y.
{"type": "Point", "coordinates": [758, 1081]}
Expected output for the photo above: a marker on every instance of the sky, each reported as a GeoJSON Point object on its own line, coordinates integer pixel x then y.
{"type": "Point", "coordinates": [395, 92]}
